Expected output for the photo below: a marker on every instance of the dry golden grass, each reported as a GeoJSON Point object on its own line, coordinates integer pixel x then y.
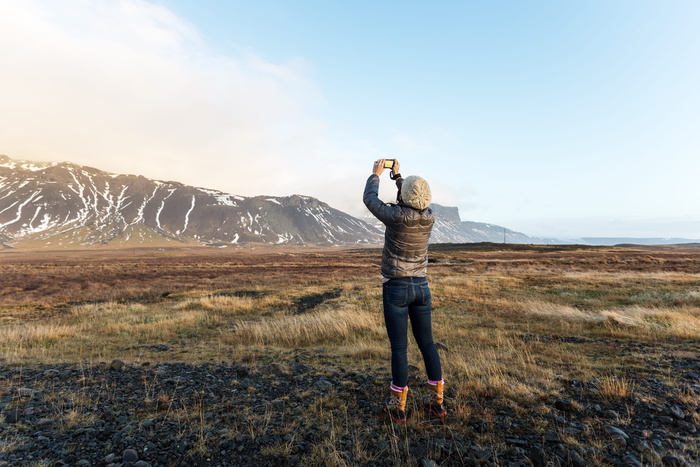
{"type": "Point", "coordinates": [519, 325]}
{"type": "Point", "coordinates": [319, 328]}
{"type": "Point", "coordinates": [614, 387]}
{"type": "Point", "coordinates": [630, 321]}
{"type": "Point", "coordinates": [490, 309]}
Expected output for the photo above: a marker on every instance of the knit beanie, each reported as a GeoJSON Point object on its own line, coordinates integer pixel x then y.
{"type": "Point", "coordinates": [415, 192]}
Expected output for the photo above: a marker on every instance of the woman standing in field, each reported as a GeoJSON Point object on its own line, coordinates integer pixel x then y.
{"type": "Point", "coordinates": [405, 291]}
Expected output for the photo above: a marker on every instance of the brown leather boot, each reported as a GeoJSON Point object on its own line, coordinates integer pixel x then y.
{"type": "Point", "coordinates": [395, 404]}
{"type": "Point", "coordinates": [434, 402]}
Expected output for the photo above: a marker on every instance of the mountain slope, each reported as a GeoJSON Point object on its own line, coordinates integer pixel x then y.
{"type": "Point", "coordinates": [449, 228]}
{"type": "Point", "coordinates": [65, 204]}
{"type": "Point", "coordinates": [69, 204]}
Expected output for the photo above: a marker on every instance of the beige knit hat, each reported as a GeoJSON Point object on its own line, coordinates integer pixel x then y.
{"type": "Point", "coordinates": [415, 192]}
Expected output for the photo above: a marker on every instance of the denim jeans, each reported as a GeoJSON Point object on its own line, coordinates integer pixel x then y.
{"type": "Point", "coordinates": [409, 298]}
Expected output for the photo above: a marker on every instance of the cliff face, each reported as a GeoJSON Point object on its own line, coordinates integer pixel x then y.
{"type": "Point", "coordinates": [449, 228]}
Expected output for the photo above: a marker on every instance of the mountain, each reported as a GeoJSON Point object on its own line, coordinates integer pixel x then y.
{"type": "Point", "coordinates": [636, 241]}
{"type": "Point", "coordinates": [67, 204]}
{"type": "Point", "coordinates": [449, 228]}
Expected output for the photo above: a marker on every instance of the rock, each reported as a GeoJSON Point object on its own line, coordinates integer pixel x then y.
{"type": "Point", "coordinates": [538, 457]}
{"type": "Point", "coordinates": [575, 460]}
{"type": "Point", "coordinates": [117, 365]}
{"type": "Point", "coordinates": [12, 416]}
{"type": "Point", "coordinates": [631, 461]}
{"type": "Point", "coordinates": [677, 412]}
{"type": "Point", "coordinates": [517, 441]}
{"type": "Point", "coordinates": [45, 422]}
{"type": "Point", "coordinates": [559, 419]}
{"type": "Point", "coordinates": [130, 455]}
{"type": "Point", "coordinates": [564, 405]}
{"type": "Point", "coordinates": [480, 425]}
{"type": "Point", "coordinates": [482, 456]}
{"type": "Point", "coordinates": [640, 445]}
{"type": "Point", "coordinates": [666, 420]}
{"type": "Point", "coordinates": [300, 368]}
{"type": "Point", "coordinates": [50, 374]}
{"type": "Point", "coordinates": [615, 431]}
{"type": "Point", "coordinates": [673, 461]}
{"type": "Point", "coordinates": [242, 415]}
{"type": "Point", "coordinates": [323, 384]}
{"type": "Point", "coordinates": [108, 415]}
{"type": "Point", "coordinates": [582, 427]}
{"type": "Point", "coordinates": [687, 426]}
{"type": "Point", "coordinates": [175, 380]}
{"type": "Point", "coordinates": [618, 436]}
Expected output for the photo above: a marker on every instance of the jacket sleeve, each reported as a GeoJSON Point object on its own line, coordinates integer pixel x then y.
{"type": "Point", "coordinates": [399, 184]}
{"type": "Point", "coordinates": [382, 211]}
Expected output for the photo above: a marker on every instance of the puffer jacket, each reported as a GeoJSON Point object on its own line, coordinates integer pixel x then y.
{"type": "Point", "coordinates": [407, 233]}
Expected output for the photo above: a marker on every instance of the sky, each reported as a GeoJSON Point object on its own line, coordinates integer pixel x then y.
{"type": "Point", "coordinates": [553, 118]}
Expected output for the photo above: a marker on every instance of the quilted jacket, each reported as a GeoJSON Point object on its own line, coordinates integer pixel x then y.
{"type": "Point", "coordinates": [407, 233]}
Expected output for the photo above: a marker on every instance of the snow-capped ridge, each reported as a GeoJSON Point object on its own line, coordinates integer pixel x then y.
{"type": "Point", "coordinates": [71, 205]}
{"type": "Point", "coordinates": [68, 204]}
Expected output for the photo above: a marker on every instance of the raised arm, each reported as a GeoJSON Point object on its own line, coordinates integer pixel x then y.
{"type": "Point", "coordinates": [382, 211]}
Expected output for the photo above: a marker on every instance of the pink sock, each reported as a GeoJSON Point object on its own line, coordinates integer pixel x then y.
{"type": "Point", "coordinates": [434, 383]}
{"type": "Point", "coordinates": [396, 388]}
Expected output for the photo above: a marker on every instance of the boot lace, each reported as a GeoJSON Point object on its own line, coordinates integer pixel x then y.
{"type": "Point", "coordinates": [392, 403]}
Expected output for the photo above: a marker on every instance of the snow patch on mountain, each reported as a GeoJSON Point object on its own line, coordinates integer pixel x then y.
{"type": "Point", "coordinates": [67, 204]}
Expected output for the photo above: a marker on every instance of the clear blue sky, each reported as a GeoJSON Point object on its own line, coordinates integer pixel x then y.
{"type": "Point", "coordinates": [554, 118]}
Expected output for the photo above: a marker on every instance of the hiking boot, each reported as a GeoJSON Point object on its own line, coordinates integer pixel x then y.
{"type": "Point", "coordinates": [395, 404]}
{"type": "Point", "coordinates": [434, 403]}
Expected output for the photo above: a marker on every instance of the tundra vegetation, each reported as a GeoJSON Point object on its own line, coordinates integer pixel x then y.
{"type": "Point", "coordinates": [525, 332]}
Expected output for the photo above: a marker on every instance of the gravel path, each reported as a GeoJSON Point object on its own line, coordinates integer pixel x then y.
{"type": "Point", "coordinates": [293, 413]}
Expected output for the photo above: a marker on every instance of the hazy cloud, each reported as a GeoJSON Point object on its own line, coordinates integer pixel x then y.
{"type": "Point", "coordinates": [623, 226]}
{"type": "Point", "coordinates": [128, 87]}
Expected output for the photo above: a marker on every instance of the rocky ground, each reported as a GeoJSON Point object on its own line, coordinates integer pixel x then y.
{"type": "Point", "coordinates": [310, 410]}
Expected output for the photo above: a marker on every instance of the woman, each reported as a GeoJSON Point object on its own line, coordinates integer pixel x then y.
{"type": "Point", "coordinates": [405, 291]}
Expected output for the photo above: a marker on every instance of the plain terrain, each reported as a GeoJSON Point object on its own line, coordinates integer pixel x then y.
{"type": "Point", "coordinates": [547, 350]}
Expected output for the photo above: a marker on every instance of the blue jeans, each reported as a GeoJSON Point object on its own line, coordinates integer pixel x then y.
{"type": "Point", "coordinates": [404, 298]}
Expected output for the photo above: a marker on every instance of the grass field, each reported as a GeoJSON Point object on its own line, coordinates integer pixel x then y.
{"type": "Point", "coordinates": [513, 321]}
{"type": "Point", "coordinates": [72, 309]}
